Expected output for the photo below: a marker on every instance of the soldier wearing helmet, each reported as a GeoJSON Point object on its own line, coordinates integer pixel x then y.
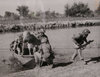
{"type": "Point", "coordinates": [47, 53]}
{"type": "Point", "coordinates": [80, 40]}
{"type": "Point", "coordinates": [42, 36]}
{"type": "Point", "coordinates": [42, 32]}
{"type": "Point", "coordinates": [85, 32]}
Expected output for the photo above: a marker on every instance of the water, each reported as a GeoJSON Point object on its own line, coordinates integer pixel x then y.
{"type": "Point", "coordinates": [60, 39]}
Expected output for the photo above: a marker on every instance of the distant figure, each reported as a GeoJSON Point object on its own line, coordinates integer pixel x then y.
{"type": "Point", "coordinates": [80, 42]}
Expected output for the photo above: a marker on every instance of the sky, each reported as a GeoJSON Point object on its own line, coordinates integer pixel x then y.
{"type": "Point", "coordinates": [36, 5]}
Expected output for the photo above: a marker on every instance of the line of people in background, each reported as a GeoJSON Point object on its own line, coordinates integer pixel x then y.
{"type": "Point", "coordinates": [49, 25]}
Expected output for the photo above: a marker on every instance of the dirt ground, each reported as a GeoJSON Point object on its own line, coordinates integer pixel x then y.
{"type": "Point", "coordinates": [73, 70]}
{"type": "Point", "coordinates": [61, 41]}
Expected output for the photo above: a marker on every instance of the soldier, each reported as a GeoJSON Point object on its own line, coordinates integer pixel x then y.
{"type": "Point", "coordinates": [31, 41]}
{"type": "Point", "coordinates": [80, 42]}
{"type": "Point", "coordinates": [16, 45]}
{"type": "Point", "coordinates": [48, 54]}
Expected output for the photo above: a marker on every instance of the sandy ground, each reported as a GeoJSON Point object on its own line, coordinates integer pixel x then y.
{"type": "Point", "coordinates": [73, 70]}
{"type": "Point", "coordinates": [63, 47]}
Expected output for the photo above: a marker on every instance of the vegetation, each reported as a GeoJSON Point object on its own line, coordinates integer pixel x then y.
{"type": "Point", "coordinates": [47, 14]}
{"type": "Point", "coordinates": [78, 10]}
{"type": "Point", "coordinates": [98, 10]}
{"type": "Point", "coordinates": [11, 15]}
{"type": "Point", "coordinates": [23, 10]}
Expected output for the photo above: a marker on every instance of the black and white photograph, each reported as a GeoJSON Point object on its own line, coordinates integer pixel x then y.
{"type": "Point", "coordinates": [49, 38]}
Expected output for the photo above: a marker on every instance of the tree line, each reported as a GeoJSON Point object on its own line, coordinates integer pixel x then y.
{"type": "Point", "coordinates": [76, 10]}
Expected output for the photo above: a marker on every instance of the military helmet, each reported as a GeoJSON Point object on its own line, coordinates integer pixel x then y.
{"type": "Point", "coordinates": [86, 31]}
{"type": "Point", "coordinates": [42, 31]}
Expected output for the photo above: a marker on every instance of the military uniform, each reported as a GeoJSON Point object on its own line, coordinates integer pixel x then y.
{"type": "Point", "coordinates": [48, 54]}
{"type": "Point", "coordinates": [79, 40]}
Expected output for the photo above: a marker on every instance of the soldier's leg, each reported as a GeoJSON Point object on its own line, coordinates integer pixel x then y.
{"type": "Point", "coordinates": [37, 57]}
{"type": "Point", "coordinates": [74, 54]}
{"type": "Point", "coordinates": [18, 49]}
{"type": "Point", "coordinates": [23, 46]}
{"type": "Point", "coordinates": [80, 54]}
{"type": "Point", "coordinates": [30, 48]}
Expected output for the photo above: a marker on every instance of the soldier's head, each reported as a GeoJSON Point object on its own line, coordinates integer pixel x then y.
{"type": "Point", "coordinates": [42, 31]}
{"type": "Point", "coordinates": [86, 32]}
{"type": "Point", "coordinates": [20, 37]}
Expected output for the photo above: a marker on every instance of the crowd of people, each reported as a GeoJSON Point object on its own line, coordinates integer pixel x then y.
{"type": "Point", "coordinates": [47, 25]}
{"type": "Point", "coordinates": [36, 44]}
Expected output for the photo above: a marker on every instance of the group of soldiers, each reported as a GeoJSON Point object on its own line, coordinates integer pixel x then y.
{"type": "Point", "coordinates": [37, 44]}
{"type": "Point", "coordinates": [61, 25]}
{"type": "Point", "coordinates": [47, 25]}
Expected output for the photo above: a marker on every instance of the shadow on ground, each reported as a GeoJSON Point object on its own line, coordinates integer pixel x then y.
{"type": "Point", "coordinates": [61, 64]}
{"type": "Point", "coordinates": [93, 59]}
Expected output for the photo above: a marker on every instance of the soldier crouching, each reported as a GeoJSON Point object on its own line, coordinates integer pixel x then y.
{"type": "Point", "coordinates": [80, 42]}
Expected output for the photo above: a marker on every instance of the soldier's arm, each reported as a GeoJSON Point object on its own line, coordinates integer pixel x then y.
{"type": "Point", "coordinates": [76, 37]}
{"type": "Point", "coordinates": [85, 40]}
{"type": "Point", "coordinates": [88, 42]}
{"type": "Point", "coordinates": [76, 42]}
